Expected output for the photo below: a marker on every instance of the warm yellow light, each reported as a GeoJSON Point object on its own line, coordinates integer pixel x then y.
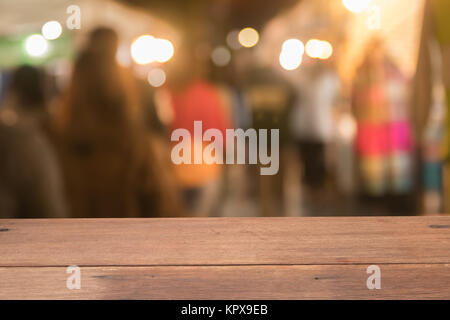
{"type": "Point", "coordinates": [156, 77]}
{"type": "Point", "coordinates": [293, 45]}
{"type": "Point", "coordinates": [248, 37]}
{"type": "Point", "coordinates": [141, 49]}
{"type": "Point", "coordinates": [51, 30]}
{"type": "Point", "coordinates": [314, 48]}
{"type": "Point", "coordinates": [327, 50]}
{"type": "Point", "coordinates": [319, 49]}
{"type": "Point", "coordinates": [162, 50]}
{"type": "Point", "coordinates": [290, 62]}
{"type": "Point", "coordinates": [36, 45]}
{"type": "Point", "coordinates": [147, 49]}
{"type": "Point", "coordinates": [291, 55]}
{"type": "Point", "coordinates": [356, 6]}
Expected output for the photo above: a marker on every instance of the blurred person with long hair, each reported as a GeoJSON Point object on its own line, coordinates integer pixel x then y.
{"type": "Point", "coordinates": [109, 163]}
{"type": "Point", "coordinates": [30, 178]}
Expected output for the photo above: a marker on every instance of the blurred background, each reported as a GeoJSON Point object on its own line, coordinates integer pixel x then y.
{"type": "Point", "coordinates": [90, 92]}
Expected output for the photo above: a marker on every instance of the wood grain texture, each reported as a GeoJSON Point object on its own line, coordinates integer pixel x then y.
{"type": "Point", "coordinates": [224, 241]}
{"type": "Point", "coordinates": [226, 258]}
{"type": "Point", "coordinates": [228, 282]}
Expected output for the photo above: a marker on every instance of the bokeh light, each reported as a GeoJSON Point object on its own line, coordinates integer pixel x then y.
{"type": "Point", "coordinates": [291, 55]}
{"type": "Point", "coordinates": [233, 39]}
{"type": "Point", "coordinates": [293, 45]}
{"type": "Point", "coordinates": [221, 56]}
{"type": "Point", "coordinates": [319, 49]}
{"type": "Point", "coordinates": [36, 45]}
{"type": "Point", "coordinates": [356, 6]}
{"type": "Point", "coordinates": [248, 37]}
{"type": "Point", "coordinates": [314, 48]}
{"type": "Point", "coordinates": [327, 50]}
{"type": "Point", "coordinates": [141, 49]}
{"type": "Point", "coordinates": [290, 62]}
{"type": "Point", "coordinates": [156, 77]}
{"type": "Point", "coordinates": [162, 50]}
{"type": "Point", "coordinates": [146, 49]}
{"type": "Point", "coordinates": [51, 30]}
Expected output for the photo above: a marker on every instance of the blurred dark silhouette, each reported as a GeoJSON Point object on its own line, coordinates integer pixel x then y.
{"type": "Point", "coordinates": [27, 87]}
{"type": "Point", "coordinates": [30, 180]}
{"type": "Point", "coordinates": [270, 98]}
{"type": "Point", "coordinates": [28, 95]}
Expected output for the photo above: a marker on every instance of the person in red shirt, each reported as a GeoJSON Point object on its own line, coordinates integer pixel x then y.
{"type": "Point", "coordinates": [192, 98]}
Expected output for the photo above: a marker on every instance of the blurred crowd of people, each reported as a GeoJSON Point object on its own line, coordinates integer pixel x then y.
{"type": "Point", "coordinates": [86, 153]}
{"type": "Point", "coordinates": [100, 146]}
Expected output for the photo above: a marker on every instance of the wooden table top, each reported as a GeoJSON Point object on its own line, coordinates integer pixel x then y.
{"type": "Point", "coordinates": [226, 258]}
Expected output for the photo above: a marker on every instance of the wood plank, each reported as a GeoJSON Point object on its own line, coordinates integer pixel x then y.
{"type": "Point", "coordinates": [422, 281]}
{"type": "Point", "coordinates": [225, 241]}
